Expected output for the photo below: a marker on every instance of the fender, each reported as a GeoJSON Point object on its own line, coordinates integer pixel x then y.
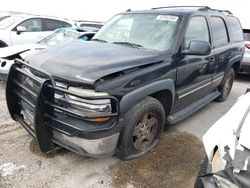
{"type": "Point", "coordinates": [230, 64]}
{"type": "Point", "coordinates": [137, 95]}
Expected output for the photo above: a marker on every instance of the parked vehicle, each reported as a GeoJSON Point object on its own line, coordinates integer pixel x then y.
{"type": "Point", "coordinates": [25, 28]}
{"type": "Point", "coordinates": [90, 24]}
{"type": "Point", "coordinates": [3, 17]}
{"type": "Point", "coordinates": [245, 66]}
{"type": "Point", "coordinates": [8, 54]}
{"type": "Point", "coordinates": [228, 149]}
{"type": "Point", "coordinates": [115, 93]}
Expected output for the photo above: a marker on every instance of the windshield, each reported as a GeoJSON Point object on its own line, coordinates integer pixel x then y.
{"type": "Point", "coordinates": [151, 31]}
{"type": "Point", "coordinates": [6, 23]}
{"type": "Point", "coordinates": [60, 36]}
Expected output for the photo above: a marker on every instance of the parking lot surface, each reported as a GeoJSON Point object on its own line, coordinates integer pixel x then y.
{"type": "Point", "coordinates": [174, 163]}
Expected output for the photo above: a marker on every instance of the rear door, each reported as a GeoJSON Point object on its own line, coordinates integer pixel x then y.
{"type": "Point", "coordinates": [194, 72]}
{"type": "Point", "coordinates": [220, 46]}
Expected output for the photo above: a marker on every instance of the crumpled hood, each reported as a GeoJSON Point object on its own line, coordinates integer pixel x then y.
{"type": "Point", "coordinates": [17, 49]}
{"type": "Point", "coordinates": [86, 62]}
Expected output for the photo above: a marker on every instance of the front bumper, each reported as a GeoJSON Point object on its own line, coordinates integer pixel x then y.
{"type": "Point", "coordinates": [30, 95]}
{"type": "Point", "coordinates": [101, 147]}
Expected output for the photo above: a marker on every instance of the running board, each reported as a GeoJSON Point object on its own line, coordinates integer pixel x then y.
{"type": "Point", "coordinates": [190, 109]}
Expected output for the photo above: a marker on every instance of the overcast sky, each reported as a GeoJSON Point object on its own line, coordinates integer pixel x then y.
{"type": "Point", "coordinates": [102, 10]}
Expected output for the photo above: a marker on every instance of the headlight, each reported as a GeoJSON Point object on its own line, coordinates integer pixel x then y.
{"type": "Point", "coordinates": [100, 105]}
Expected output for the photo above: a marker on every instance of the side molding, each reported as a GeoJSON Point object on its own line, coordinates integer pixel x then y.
{"type": "Point", "coordinates": [137, 95]}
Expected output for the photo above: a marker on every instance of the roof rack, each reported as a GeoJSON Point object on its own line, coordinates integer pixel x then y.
{"type": "Point", "coordinates": [201, 8]}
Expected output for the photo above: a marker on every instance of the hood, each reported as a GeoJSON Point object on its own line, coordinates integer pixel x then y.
{"type": "Point", "coordinates": [18, 49]}
{"type": "Point", "coordinates": [86, 62]}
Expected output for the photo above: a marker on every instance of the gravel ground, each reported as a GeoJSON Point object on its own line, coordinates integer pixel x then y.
{"type": "Point", "coordinates": [174, 163]}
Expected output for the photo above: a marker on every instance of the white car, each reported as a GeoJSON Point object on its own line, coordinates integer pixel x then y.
{"type": "Point", "coordinates": [8, 54]}
{"type": "Point", "coordinates": [227, 145]}
{"type": "Point", "coordinates": [25, 28]}
{"type": "Point", "coordinates": [90, 24]}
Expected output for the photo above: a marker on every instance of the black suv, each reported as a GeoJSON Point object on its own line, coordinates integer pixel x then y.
{"type": "Point", "coordinates": [142, 70]}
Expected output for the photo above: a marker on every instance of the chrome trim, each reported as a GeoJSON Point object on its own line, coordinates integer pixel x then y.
{"type": "Point", "coordinates": [196, 89]}
{"type": "Point", "coordinates": [215, 80]}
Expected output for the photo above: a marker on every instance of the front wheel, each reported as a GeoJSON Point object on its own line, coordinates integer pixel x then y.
{"type": "Point", "coordinates": [143, 125]}
{"type": "Point", "coordinates": [226, 87]}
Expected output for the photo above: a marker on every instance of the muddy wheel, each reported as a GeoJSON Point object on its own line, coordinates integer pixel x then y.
{"type": "Point", "coordinates": [141, 132]}
{"type": "Point", "coordinates": [226, 87]}
{"type": "Point", "coordinates": [203, 171]}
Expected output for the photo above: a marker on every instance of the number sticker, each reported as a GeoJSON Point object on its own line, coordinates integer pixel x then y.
{"type": "Point", "coordinates": [169, 18]}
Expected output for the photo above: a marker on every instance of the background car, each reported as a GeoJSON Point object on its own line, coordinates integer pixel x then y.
{"type": "Point", "coordinates": [90, 24]}
{"type": "Point", "coordinates": [245, 65]}
{"type": "Point", "coordinates": [25, 28]}
{"type": "Point", "coordinates": [3, 17]}
{"type": "Point", "coordinates": [8, 54]}
{"type": "Point", "coordinates": [227, 146]}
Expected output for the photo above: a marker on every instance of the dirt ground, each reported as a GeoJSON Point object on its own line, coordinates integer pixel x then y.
{"type": "Point", "coordinates": [174, 163]}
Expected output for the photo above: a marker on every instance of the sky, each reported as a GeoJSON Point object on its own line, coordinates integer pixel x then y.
{"type": "Point", "coordinates": [98, 10]}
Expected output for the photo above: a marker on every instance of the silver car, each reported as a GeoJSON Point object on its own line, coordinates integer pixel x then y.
{"type": "Point", "coordinates": [245, 66]}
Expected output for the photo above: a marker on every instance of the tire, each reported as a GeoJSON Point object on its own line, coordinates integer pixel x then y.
{"type": "Point", "coordinates": [203, 170]}
{"type": "Point", "coordinates": [226, 87]}
{"type": "Point", "coordinates": [144, 123]}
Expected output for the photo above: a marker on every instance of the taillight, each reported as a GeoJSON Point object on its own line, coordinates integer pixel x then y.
{"type": "Point", "coordinates": [247, 46]}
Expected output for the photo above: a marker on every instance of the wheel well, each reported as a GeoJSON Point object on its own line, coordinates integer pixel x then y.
{"type": "Point", "coordinates": [165, 98]}
{"type": "Point", "coordinates": [3, 44]}
{"type": "Point", "coordinates": [236, 67]}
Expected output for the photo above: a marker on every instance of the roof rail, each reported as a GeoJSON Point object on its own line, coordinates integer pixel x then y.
{"type": "Point", "coordinates": [223, 11]}
{"type": "Point", "coordinates": [200, 7]}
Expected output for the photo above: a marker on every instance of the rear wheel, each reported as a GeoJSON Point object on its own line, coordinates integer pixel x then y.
{"type": "Point", "coordinates": [226, 87]}
{"type": "Point", "coordinates": [143, 126]}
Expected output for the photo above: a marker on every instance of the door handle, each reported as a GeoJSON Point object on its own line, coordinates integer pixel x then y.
{"type": "Point", "coordinates": [203, 69]}
{"type": "Point", "coordinates": [211, 59]}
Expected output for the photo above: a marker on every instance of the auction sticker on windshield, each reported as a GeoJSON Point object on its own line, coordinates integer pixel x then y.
{"type": "Point", "coordinates": [169, 18]}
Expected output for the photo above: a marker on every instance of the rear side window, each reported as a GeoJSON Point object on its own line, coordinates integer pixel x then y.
{"type": "Point", "coordinates": [65, 24]}
{"type": "Point", "coordinates": [246, 33]}
{"type": "Point", "coordinates": [197, 30]}
{"type": "Point", "coordinates": [219, 31]}
{"type": "Point", "coordinates": [235, 28]}
{"type": "Point", "coordinates": [51, 25]}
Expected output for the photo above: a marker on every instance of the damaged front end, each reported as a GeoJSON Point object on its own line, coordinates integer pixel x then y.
{"type": "Point", "coordinates": [77, 119]}
{"type": "Point", "coordinates": [228, 149]}
{"type": "Point", "coordinates": [236, 173]}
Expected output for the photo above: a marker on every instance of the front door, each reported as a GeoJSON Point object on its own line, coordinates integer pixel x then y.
{"type": "Point", "coordinates": [194, 72]}
{"type": "Point", "coordinates": [34, 32]}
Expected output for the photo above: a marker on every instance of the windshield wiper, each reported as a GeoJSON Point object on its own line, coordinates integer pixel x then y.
{"type": "Point", "coordinates": [99, 40]}
{"type": "Point", "coordinates": [129, 44]}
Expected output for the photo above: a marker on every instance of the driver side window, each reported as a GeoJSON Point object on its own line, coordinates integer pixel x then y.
{"type": "Point", "coordinates": [197, 30]}
{"type": "Point", "coordinates": [32, 25]}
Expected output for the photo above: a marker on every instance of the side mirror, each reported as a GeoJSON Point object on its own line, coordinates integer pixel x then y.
{"type": "Point", "coordinates": [197, 48]}
{"type": "Point", "coordinates": [20, 29]}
